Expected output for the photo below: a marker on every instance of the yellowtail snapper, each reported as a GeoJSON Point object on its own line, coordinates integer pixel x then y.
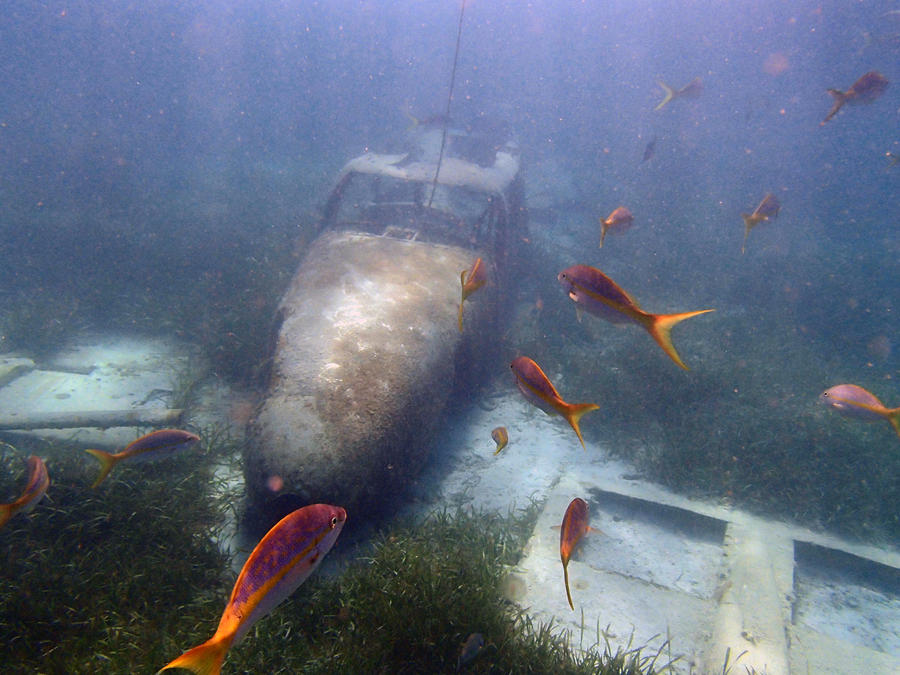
{"type": "Point", "coordinates": [281, 561]}
{"type": "Point", "coordinates": [149, 447]}
{"type": "Point", "coordinates": [539, 391]}
{"type": "Point", "coordinates": [867, 89]}
{"type": "Point", "coordinates": [35, 489]}
{"type": "Point", "coordinates": [853, 401]}
{"type": "Point", "coordinates": [574, 527]}
{"type": "Point", "coordinates": [471, 280]}
{"type": "Point", "coordinates": [599, 295]}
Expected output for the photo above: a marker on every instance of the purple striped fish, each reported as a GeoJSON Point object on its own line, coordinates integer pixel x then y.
{"type": "Point", "coordinates": [35, 489]}
{"type": "Point", "coordinates": [539, 391]}
{"type": "Point", "coordinates": [281, 561]}
{"type": "Point", "coordinates": [851, 400]}
{"type": "Point", "coordinates": [155, 445]}
{"type": "Point", "coordinates": [471, 281]}
{"type": "Point", "coordinates": [574, 527]}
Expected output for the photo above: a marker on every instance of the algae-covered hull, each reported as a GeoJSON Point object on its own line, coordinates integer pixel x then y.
{"type": "Point", "coordinates": [363, 366]}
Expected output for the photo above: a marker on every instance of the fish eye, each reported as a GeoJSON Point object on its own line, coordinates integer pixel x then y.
{"type": "Point", "coordinates": [334, 521]}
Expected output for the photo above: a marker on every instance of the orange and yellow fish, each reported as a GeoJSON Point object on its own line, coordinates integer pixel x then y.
{"type": "Point", "coordinates": [35, 489]}
{"type": "Point", "coordinates": [853, 401]}
{"type": "Point", "coordinates": [768, 208]}
{"type": "Point", "coordinates": [574, 527]}
{"type": "Point", "coordinates": [692, 89]}
{"type": "Point", "coordinates": [471, 280]}
{"type": "Point", "coordinates": [281, 561]}
{"type": "Point", "coordinates": [501, 438]}
{"type": "Point", "coordinates": [599, 295]}
{"type": "Point", "coordinates": [152, 446]}
{"type": "Point", "coordinates": [867, 89]}
{"type": "Point", "coordinates": [539, 391]}
{"type": "Point", "coordinates": [618, 221]}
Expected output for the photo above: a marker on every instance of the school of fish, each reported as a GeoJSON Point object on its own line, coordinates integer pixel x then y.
{"type": "Point", "coordinates": [293, 548]}
{"type": "Point", "coordinates": [594, 292]}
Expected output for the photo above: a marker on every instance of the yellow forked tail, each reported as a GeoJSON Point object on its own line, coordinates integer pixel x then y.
{"type": "Point", "coordinates": [573, 413]}
{"type": "Point", "coordinates": [749, 222]}
{"type": "Point", "coordinates": [670, 94]}
{"type": "Point", "coordinates": [839, 99]}
{"type": "Point", "coordinates": [660, 326]}
{"type": "Point", "coordinates": [893, 416]}
{"type": "Point", "coordinates": [107, 462]}
{"type": "Point", "coordinates": [205, 659]}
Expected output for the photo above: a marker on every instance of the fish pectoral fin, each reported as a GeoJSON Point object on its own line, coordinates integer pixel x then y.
{"type": "Point", "coordinates": [578, 311]}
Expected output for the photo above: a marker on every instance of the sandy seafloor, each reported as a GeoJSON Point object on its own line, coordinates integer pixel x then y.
{"type": "Point", "coordinates": [544, 462]}
{"type": "Point", "coordinates": [645, 576]}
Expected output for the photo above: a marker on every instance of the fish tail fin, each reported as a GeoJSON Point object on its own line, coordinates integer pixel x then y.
{"type": "Point", "coordinates": [660, 326]}
{"type": "Point", "coordinates": [462, 299]}
{"type": "Point", "coordinates": [894, 418]}
{"type": "Point", "coordinates": [573, 415]}
{"type": "Point", "coordinates": [204, 659]}
{"type": "Point", "coordinates": [6, 512]}
{"type": "Point", "coordinates": [839, 99]}
{"type": "Point", "coordinates": [670, 94]}
{"type": "Point", "coordinates": [413, 120]}
{"type": "Point", "coordinates": [748, 225]}
{"type": "Point", "coordinates": [107, 462]}
{"type": "Point", "coordinates": [568, 593]}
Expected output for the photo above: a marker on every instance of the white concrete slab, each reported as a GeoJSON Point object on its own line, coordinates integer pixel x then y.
{"type": "Point", "coordinates": [97, 373]}
{"type": "Point", "coordinates": [707, 576]}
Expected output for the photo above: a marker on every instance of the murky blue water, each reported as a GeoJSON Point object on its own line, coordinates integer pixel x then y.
{"type": "Point", "coordinates": [159, 162]}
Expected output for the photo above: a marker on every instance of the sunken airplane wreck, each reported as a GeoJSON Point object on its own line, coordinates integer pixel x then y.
{"type": "Point", "coordinates": [367, 350]}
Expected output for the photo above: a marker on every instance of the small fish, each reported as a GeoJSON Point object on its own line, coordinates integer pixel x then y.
{"type": "Point", "coordinates": [501, 438]}
{"type": "Point", "coordinates": [893, 157]}
{"type": "Point", "coordinates": [155, 445]}
{"type": "Point", "coordinates": [471, 280]}
{"type": "Point", "coordinates": [866, 89]}
{"type": "Point", "coordinates": [538, 390]}
{"type": "Point", "coordinates": [281, 561]}
{"type": "Point", "coordinates": [650, 149]}
{"type": "Point", "coordinates": [437, 121]}
{"type": "Point", "coordinates": [617, 221]}
{"type": "Point", "coordinates": [469, 650]}
{"type": "Point", "coordinates": [692, 89]}
{"type": "Point", "coordinates": [574, 527]}
{"type": "Point", "coordinates": [768, 208]}
{"type": "Point", "coordinates": [599, 295]}
{"type": "Point", "coordinates": [35, 489]}
{"type": "Point", "coordinates": [852, 400]}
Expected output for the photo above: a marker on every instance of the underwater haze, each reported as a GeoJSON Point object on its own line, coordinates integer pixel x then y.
{"type": "Point", "coordinates": [163, 168]}
{"type": "Point", "coordinates": [164, 165]}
